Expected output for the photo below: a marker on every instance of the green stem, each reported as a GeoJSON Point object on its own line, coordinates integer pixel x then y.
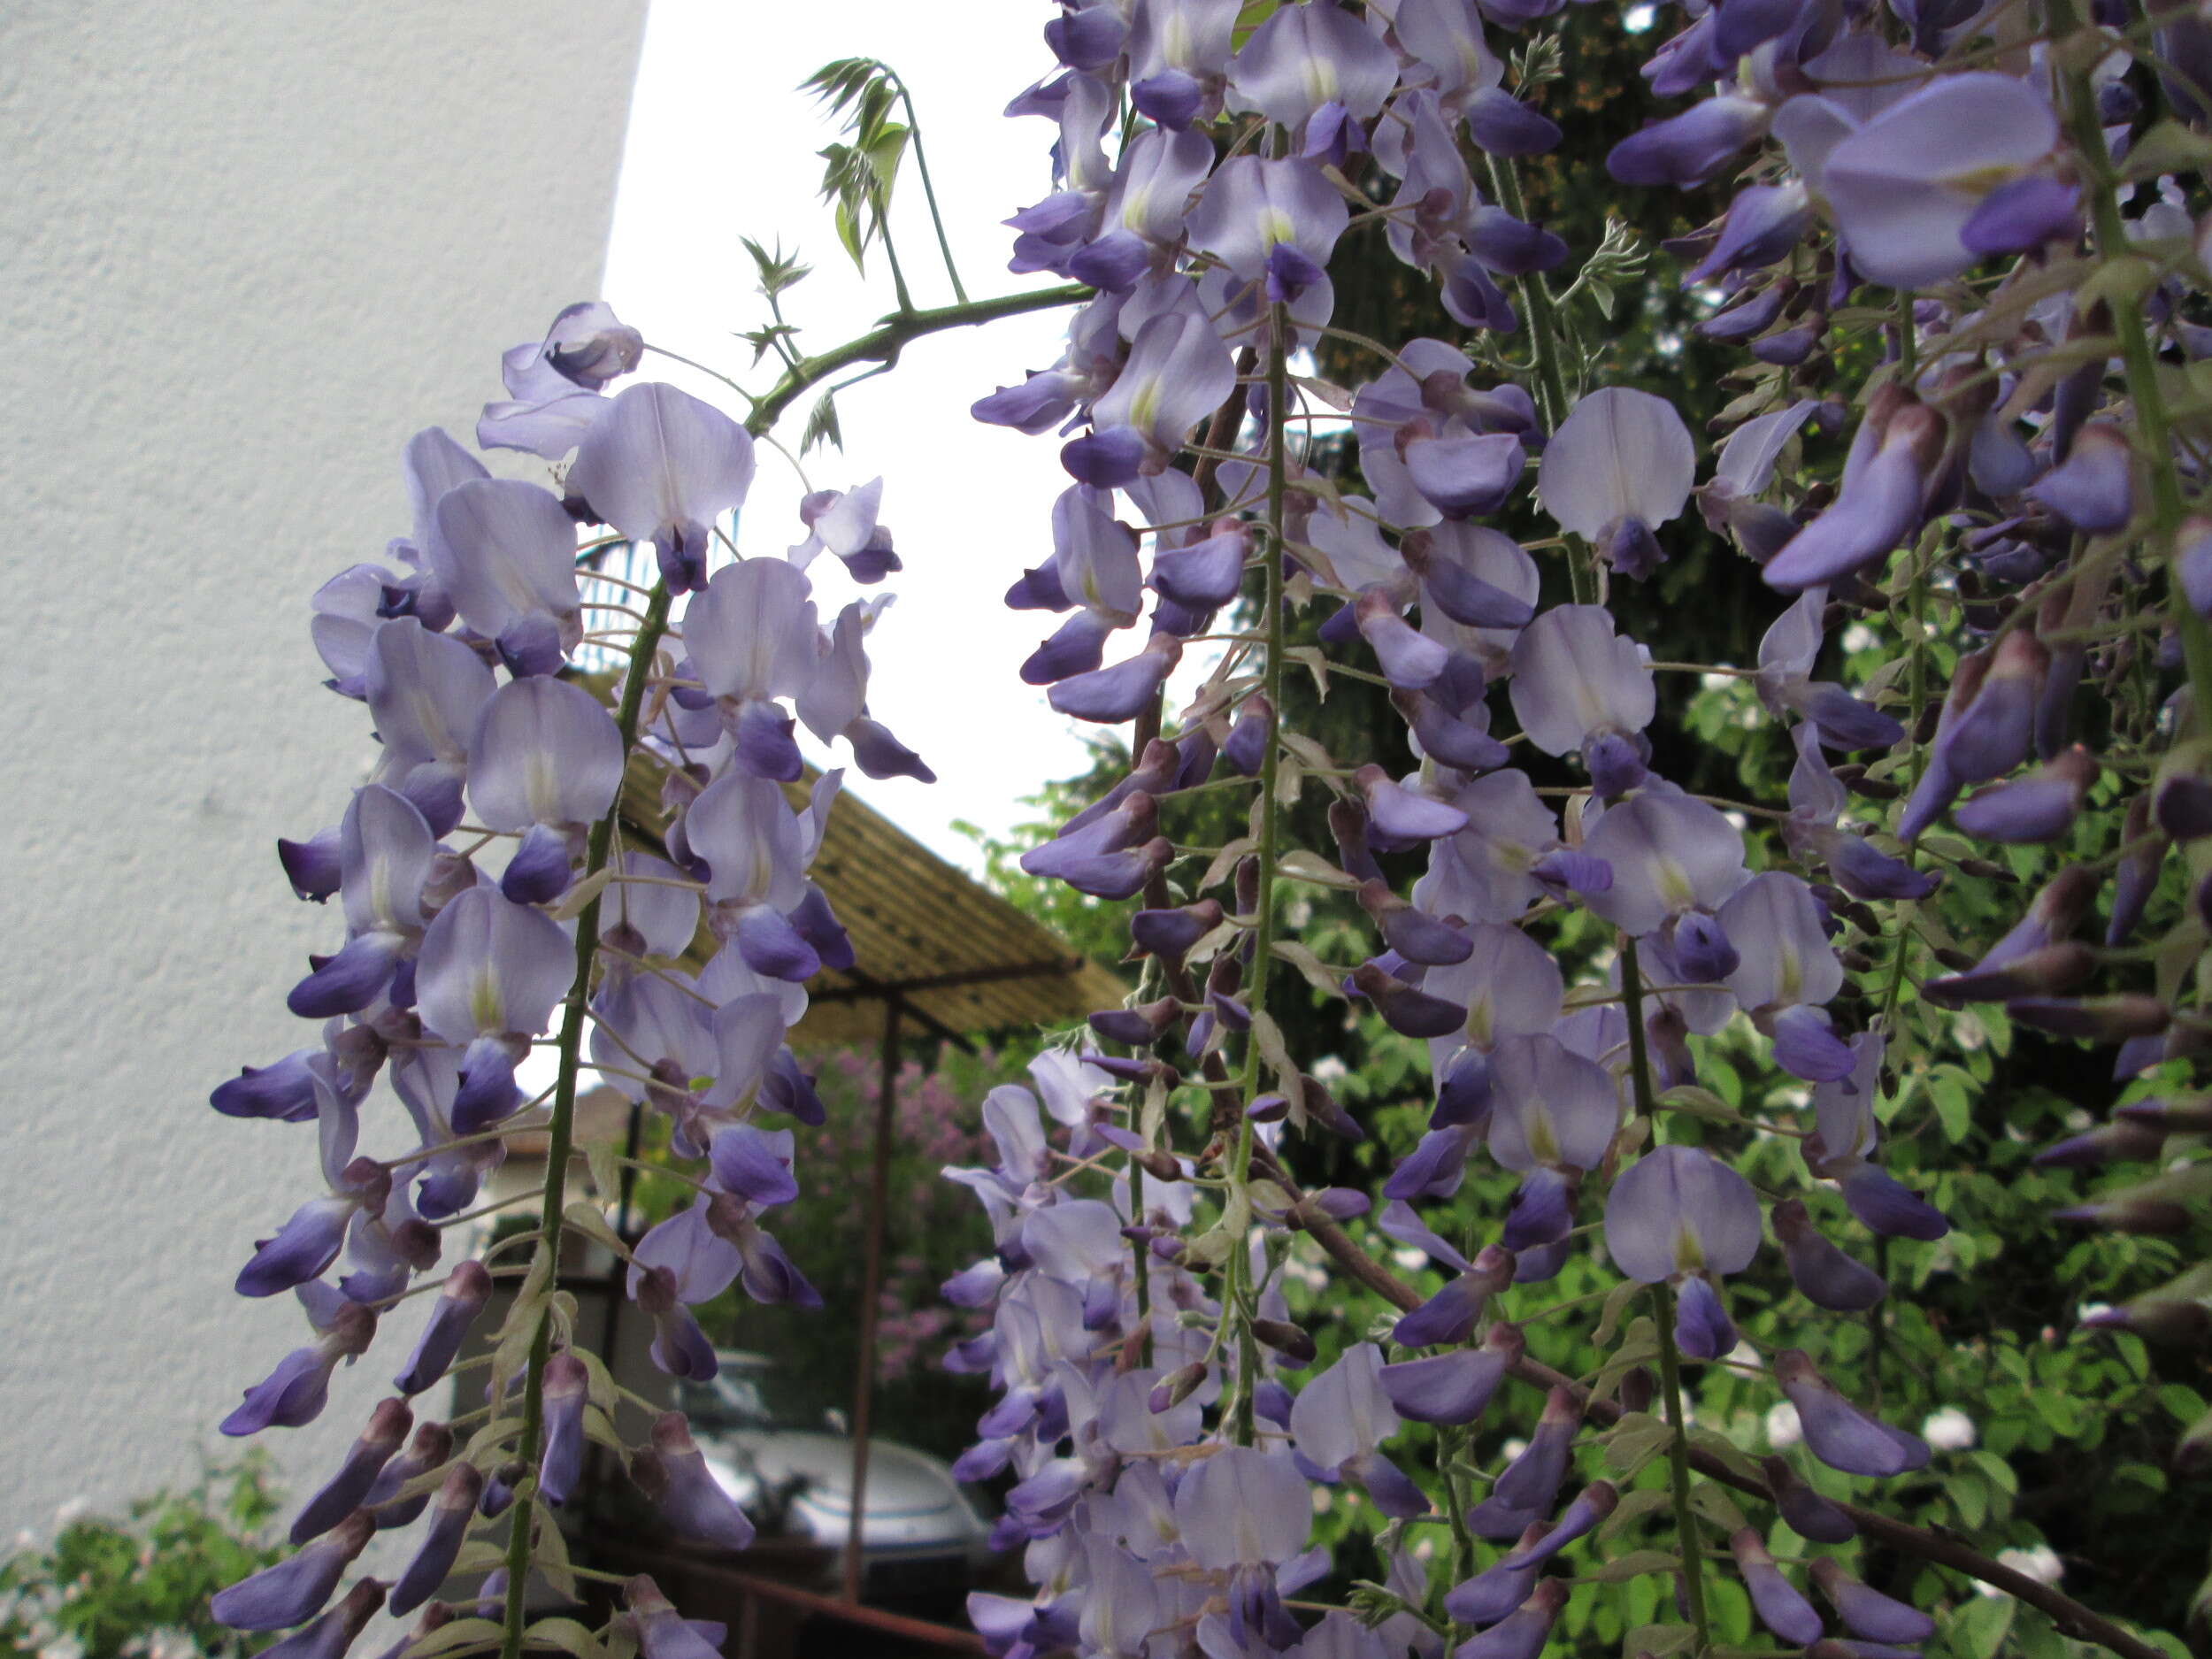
{"type": "Point", "coordinates": [882, 206]}
{"type": "Point", "coordinates": [1917, 765]}
{"type": "Point", "coordinates": [881, 344]}
{"type": "Point", "coordinates": [929, 190]}
{"type": "Point", "coordinates": [1263, 928]}
{"type": "Point", "coordinates": [1551, 379]}
{"type": "Point", "coordinates": [560, 1130]}
{"type": "Point", "coordinates": [2152, 421]}
{"type": "Point", "coordinates": [1687, 1541]}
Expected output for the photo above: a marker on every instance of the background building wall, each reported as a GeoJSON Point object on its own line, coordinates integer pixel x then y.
{"type": "Point", "coordinates": [245, 252]}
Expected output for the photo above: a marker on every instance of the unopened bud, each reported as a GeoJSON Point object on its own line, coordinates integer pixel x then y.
{"type": "Point", "coordinates": [1294, 1344]}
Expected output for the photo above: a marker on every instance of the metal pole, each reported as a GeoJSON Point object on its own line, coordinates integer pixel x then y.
{"type": "Point", "coordinates": [871, 1289]}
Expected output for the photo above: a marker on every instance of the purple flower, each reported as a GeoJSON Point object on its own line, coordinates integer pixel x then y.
{"type": "Point", "coordinates": [1837, 1432]}
{"type": "Point", "coordinates": [1866, 1611]}
{"type": "Point", "coordinates": [1522, 1633]}
{"type": "Point", "coordinates": [1829, 1278]}
{"type": "Point", "coordinates": [1455, 1387]}
{"type": "Point", "coordinates": [430, 1449]}
{"type": "Point", "coordinates": [296, 1391]}
{"type": "Point", "coordinates": [506, 554]}
{"type": "Point", "coordinates": [1575, 679]}
{"type": "Point", "coordinates": [1781, 1607]}
{"type": "Point", "coordinates": [1690, 148]}
{"type": "Point", "coordinates": [685, 1493]}
{"type": "Point", "coordinates": [547, 761]}
{"type": "Point", "coordinates": [1274, 220]}
{"type": "Point", "coordinates": [1679, 1210]}
{"type": "Point", "coordinates": [348, 1490]}
{"type": "Point", "coordinates": [294, 1590]}
{"type": "Point", "coordinates": [1620, 466]}
{"type": "Point", "coordinates": [1904, 187]}
{"type": "Point", "coordinates": [329, 1635]}
{"type": "Point", "coordinates": [450, 1513]}
{"type": "Point", "coordinates": [1669, 854]}
{"type": "Point", "coordinates": [661, 466]}
{"type": "Point", "coordinates": [490, 973]}
{"type": "Point", "coordinates": [425, 691]}
{"type": "Point", "coordinates": [1306, 57]}
{"type": "Point", "coordinates": [589, 344]}
{"type": "Point", "coordinates": [1339, 1422]}
{"type": "Point", "coordinates": [567, 1386]}
{"type": "Point", "coordinates": [1878, 504]}
{"type": "Point", "coordinates": [1178, 374]}
{"type": "Point", "coordinates": [385, 855]}
{"type": "Point", "coordinates": [2094, 488]}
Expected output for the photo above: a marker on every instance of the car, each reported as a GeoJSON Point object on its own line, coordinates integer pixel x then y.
{"type": "Point", "coordinates": [790, 1464]}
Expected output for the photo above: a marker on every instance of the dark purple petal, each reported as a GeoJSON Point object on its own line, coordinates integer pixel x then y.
{"type": "Point", "coordinates": [285, 1091]}
{"type": "Point", "coordinates": [1407, 1012]}
{"type": "Point", "coordinates": [1779, 1606]}
{"type": "Point", "coordinates": [1866, 1611]}
{"type": "Point", "coordinates": [540, 870]}
{"type": "Point", "coordinates": [1806, 1046]}
{"type": "Point", "coordinates": [1837, 1432]}
{"type": "Point", "coordinates": [1502, 125]}
{"type": "Point", "coordinates": [1809, 1514]}
{"type": "Point", "coordinates": [349, 981]}
{"type": "Point", "coordinates": [293, 1591]}
{"type": "Point", "coordinates": [451, 1511]}
{"type": "Point", "coordinates": [1884, 1205]}
{"type": "Point", "coordinates": [1689, 148]}
{"type": "Point", "coordinates": [770, 945]}
{"type": "Point", "coordinates": [329, 1635]}
{"type": "Point", "coordinates": [301, 1251]}
{"type": "Point", "coordinates": [684, 1491]}
{"type": "Point", "coordinates": [566, 1389]}
{"type": "Point", "coordinates": [312, 865]}
{"type": "Point", "coordinates": [1109, 696]}
{"type": "Point", "coordinates": [1702, 1329]}
{"type": "Point", "coordinates": [1464, 477]}
{"type": "Point", "coordinates": [1829, 1278]}
{"type": "Point", "coordinates": [2094, 488]}
{"type": "Point", "coordinates": [2022, 215]}
{"type": "Point", "coordinates": [348, 1490]}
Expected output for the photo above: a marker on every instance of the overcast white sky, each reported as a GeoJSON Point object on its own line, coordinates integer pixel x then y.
{"type": "Point", "coordinates": [722, 145]}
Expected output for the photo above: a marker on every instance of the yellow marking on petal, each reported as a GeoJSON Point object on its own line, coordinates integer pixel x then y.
{"type": "Point", "coordinates": [485, 1002]}
{"type": "Point", "coordinates": [1689, 1255]}
{"type": "Point", "coordinates": [542, 785]}
{"type": "Point", "coordinates": [1144, 408]}
{"type": "Point", "coordinates": [1982, 180]}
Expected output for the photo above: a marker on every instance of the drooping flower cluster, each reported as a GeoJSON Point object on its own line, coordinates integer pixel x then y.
{"type": "Point", "coordinates": [1947, 200]}
{"type": "Point", "coordinates": [1143, 1349]}
{"type": "Point", "coordinates": [509, 860]}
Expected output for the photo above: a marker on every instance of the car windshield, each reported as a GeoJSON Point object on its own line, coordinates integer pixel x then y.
{"type": "Point", "coordinates": [748, 1396]}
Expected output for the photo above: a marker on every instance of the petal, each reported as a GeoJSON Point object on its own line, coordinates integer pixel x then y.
{"type": "Point", "coordinates": [660, 458]}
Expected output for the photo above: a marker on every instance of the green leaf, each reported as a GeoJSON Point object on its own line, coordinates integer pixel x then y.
{"type": "Point", "coordinates": [1635, 1565]}
{"type": "Point", "coordinates": [1659, 1640]}
{"type": "Point", "coordinates": [1633, 1508]}
{"type": "Point", "coordinates": [821, 424]}
{"type": "Point", "coordinates": [2185, 1404]}
{"type": "Point", "coordinates": [1970, 1498]}
{"type": "Point", "coordinates": [1710, 1499]}
{"type": "Point", "coordinates": [1634, 1441]}
{"type": "Point", "coordinates": [567, 1635]}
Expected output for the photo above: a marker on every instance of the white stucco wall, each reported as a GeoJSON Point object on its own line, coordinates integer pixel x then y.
{"type": "Point", "coordinates": [245, 251]}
